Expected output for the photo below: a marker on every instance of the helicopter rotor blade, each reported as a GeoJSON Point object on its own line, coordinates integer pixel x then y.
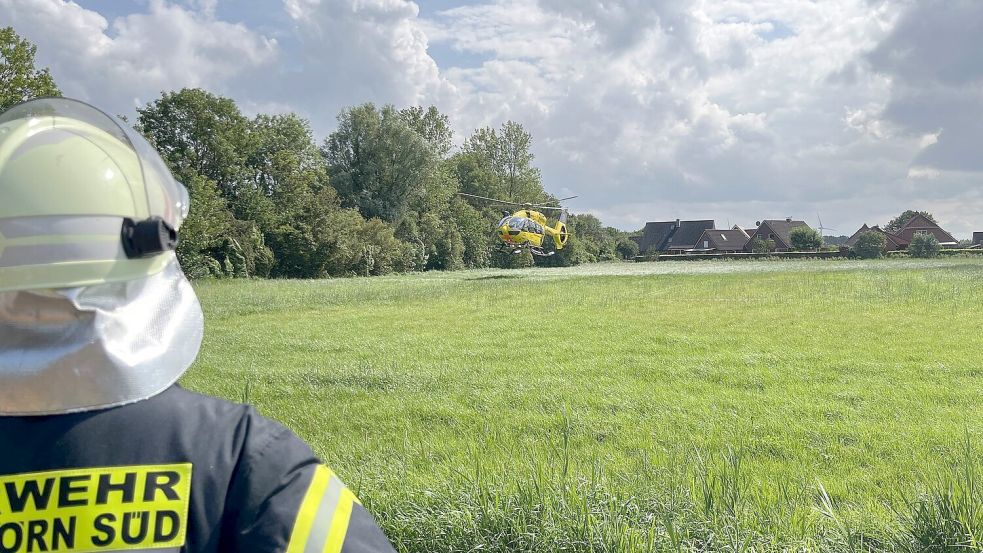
{"type": "Point", "coordinates": [489, 199]}
{"type": "Point", "coordinates": [556, 203]}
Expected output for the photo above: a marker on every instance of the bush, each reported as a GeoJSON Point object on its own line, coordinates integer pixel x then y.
{"type": "Point", "coordinates": [627, 248]}
{"type": "Point", "coordinates": [924, 245]}
{"type": "Point", "coordinates": [805, 239]}
{"type": "Point", "coordinates": [870, 245]}
{"type": "Point", "coordinates": [759, 245]}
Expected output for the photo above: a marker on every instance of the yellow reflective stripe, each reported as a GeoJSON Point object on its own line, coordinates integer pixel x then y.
{"type": "Point", "coordinates": [308, 509]}
{"type": "Point", "coordinates": [339, 525]}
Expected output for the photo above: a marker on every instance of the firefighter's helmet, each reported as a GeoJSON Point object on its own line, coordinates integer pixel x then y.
{"type": "Point", "coordinates": [84, 200]}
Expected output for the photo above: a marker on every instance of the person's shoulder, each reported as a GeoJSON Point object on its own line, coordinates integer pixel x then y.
{"type": "Point", "coordinates": [189, 410]}
{"type": "Point", "coordinates": [259, 433]}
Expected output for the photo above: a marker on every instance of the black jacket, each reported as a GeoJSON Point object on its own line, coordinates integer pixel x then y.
{"type": "Point", "coordinates": [177, 472]}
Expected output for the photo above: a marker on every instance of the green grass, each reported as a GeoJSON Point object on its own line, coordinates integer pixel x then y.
{"type": "Point", "coordinates": [735, 406]}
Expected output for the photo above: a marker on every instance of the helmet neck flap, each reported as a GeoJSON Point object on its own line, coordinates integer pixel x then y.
{"type": "Point", "coordinates": [105, 345]}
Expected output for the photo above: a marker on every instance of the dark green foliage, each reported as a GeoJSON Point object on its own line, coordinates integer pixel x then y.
{"type": "Point", "coordinates": [870, 245]}
{"type": "Point", "coordinates": [627, 248]}
{"type": "Point", "coordinates": [199, 134]}
{"type": "Point", "coordinates": [20, 80]}
{"type": "Point", "coordinates": [760, 245]}
{"type": "Point", "coordinates": [924, 245]}
{"type": "Point", "coordinates": [900, 221]}
{"type": "Point", "coordinates": [380, 196]}
{"type": "Point", "coordinates": [805, 239]}
{"type": "Point", "coordinates": [208, 222]}
{"type": "Point", "coordinates": [432, 125]}
{"type": "Point", "coordinates": [501, 165]}
{"type": "Point", "coordinates": [475, 233]}
{"type": "Point", "coordinates": [377, 162]}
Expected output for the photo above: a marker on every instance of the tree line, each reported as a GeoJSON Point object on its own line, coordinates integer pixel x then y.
{"type": "Point", "coordinates": [376, 196]}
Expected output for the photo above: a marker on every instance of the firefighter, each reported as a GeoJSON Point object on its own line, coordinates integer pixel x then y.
{"type": "Point", "coordinates": [100, 449]}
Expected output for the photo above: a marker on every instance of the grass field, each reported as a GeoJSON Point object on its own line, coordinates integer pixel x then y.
{"type": "Point", "coordinates": [735, 406]}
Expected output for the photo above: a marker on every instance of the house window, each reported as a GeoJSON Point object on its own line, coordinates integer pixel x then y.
{"type": "Point", "coordinates": [706, 244]}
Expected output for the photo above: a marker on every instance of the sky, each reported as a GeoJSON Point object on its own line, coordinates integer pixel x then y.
{"type": "Point", "coordinates": [738, 110]}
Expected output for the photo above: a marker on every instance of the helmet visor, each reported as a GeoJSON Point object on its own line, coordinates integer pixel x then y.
{"type": "Point", "coordinates": [164, 196]}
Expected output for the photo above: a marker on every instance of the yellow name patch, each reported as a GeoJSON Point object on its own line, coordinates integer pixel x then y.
{"type": "Point", "coordinates": [95, 509]}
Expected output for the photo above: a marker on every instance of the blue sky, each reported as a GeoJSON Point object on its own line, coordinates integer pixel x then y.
{"type": "Point", "coordinates": [647, 109]}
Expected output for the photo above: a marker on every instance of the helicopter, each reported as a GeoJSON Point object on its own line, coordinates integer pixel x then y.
{"type": "Point", "coordinates": [528, 228]}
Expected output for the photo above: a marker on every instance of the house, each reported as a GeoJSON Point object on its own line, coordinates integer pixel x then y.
{"type": "Point", "coordinates": [723, 241]}
{"type": "Point", "coordinates": [891, 242]}
{"type": "Point", "coordinates": [919, 224]}
{"type": "Point", "coordinates": [778, 231]}
{"type": "Point", "coordinates": [978, 239]}
{"type": "Point", "coordinates": [900, 240]}
{"type": "Point", "coordinates": [671, 236]}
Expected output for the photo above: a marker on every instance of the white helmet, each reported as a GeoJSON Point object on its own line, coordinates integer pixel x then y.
{"type": "Point", "coordinates": [94, 309]}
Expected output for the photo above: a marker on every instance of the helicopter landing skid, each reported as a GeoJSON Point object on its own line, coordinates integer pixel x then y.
{"type": "Point", "coordinates": [539, 252]}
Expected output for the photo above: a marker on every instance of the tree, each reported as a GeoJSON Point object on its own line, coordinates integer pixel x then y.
{"type": "Point", "coordinates": [924, 245]}
{"type": "Point", "coordinates": [432, 125]}
{"type": "Point", "coordinates": [627, 248]}
{"type": "Point", "coordinates": [20, 80]}
{"type": "Point", "coordinates": [900, 221]}
{"type": "Point", "coordinates": [475, 233]}
{"type": "Point", "coordinates": [805, 239]}
{"type": "Point", "coordinates": [377, 162]}
{"type": "Point", "coordinates": [870, 245]}
{"type": "Point", "coordinates": [198, 133]}
{"type": "Point", "coordinates": [202, 232]}
{"type": "Point", "coordinates": [269, 174]}
{"type": "Point", "coordinates": [505, 156]}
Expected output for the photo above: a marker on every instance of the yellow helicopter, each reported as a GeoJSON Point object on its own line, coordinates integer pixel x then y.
{"type": "Point", "coordinates": [529, 228]}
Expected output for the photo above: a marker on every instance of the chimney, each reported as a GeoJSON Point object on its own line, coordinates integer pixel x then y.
{"type": "Point", "coordinates": [677, 223]}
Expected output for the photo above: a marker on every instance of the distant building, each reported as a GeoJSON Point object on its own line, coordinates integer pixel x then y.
{"type": "Point", "coordinates": [778, 231]}
{"type": "Point", "coordinates": [891, 242]}
{"type": "Point", "coordinates": [671, 236]}
{"type": "Point", "coordinates": [978, 238]}
{"type": "Point", "coordinates": [723, 241]}
{"type": "Point", "coordinates": [919, 224]}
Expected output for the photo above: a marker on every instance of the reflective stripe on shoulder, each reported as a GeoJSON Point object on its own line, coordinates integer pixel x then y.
{"type": "Point", "coordinates": [322, 521]}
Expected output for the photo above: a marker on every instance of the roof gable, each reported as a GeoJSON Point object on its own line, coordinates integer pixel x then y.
{"type": "Point", "coordinates": [920, 221]}
{"type": "Point", "coordinates": [921, 224]}
{"type": "Point", "coordinates": [781, 229]}
{"type": "Point", "coordinates": [726, 240]}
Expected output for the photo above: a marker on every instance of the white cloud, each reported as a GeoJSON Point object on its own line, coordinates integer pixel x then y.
{"type": "Point", "coordinates": [648, 109]}
{"type": "Point", "coordinates": [698, 107]}
{"type": "Point", "coordinates": [130, 60]}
